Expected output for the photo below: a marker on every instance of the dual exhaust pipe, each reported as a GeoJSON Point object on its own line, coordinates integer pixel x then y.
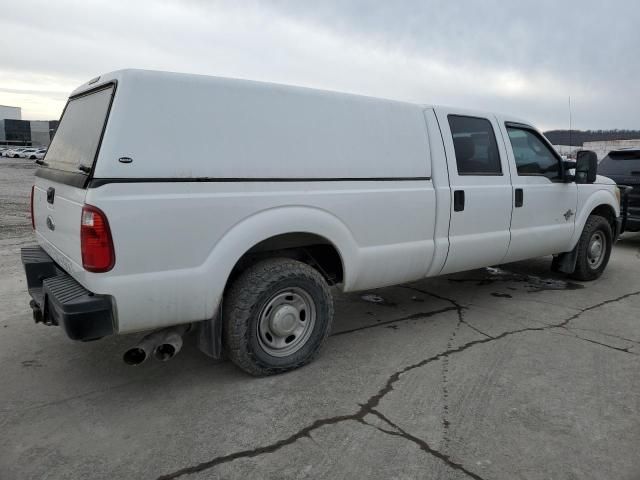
{"type": "Point", "coordinates": [162, 344]}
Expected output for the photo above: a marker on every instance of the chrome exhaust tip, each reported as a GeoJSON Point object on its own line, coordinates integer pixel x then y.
{"type": "Point", "coordinates": [170, 346]}
{"type": "Point", "coordinates": [135, 356]}
{"type": "Point", "coordinates": [163, 344]}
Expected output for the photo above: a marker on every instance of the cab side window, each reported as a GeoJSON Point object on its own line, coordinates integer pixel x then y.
{"type": "Point", "coordinates": [533, 156]}
{"type": "Point", "coordinates": [475, 146]}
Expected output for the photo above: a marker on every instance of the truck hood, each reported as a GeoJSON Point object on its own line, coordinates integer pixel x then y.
{"type": "Point", "coordinates": [604, 180]}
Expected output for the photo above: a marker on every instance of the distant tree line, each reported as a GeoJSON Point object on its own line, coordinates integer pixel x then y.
{"type": "Point", "coordinates": [578, 137]}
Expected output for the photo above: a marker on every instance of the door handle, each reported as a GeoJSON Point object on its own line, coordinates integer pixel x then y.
{"type": "Point", "coordinates": [458, 200]}
{"type": "Point", "coordinates": [519, 197]}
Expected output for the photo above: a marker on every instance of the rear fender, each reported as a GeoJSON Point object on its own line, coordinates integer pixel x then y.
{"type": "Point", "coordinates": [269, 223]}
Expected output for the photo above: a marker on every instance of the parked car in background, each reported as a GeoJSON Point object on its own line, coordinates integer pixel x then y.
{"type": "Point", "coordinates": [15, 152]}
{"type": "Point", "coordinates": [27, 152]}
{"type": "Point", "coordinates": [40, 153]}
{"type": "Point", "coordinates": [623, 167]}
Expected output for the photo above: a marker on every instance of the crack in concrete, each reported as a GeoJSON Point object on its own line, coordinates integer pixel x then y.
{"type": "Point", "coordinates": [303, 433]}
{"type": "Point", "coordinates": [372, 403]}
{"type": "Point", "coordinates": [611, 335]}
{"type": "Point", "coordinates": [597, 305]}
{"type": "Point", "coordinates": [619, 349]}
{"type": "Point", "coordinates": [457, 306]}
{"type": "Point", "coordinates": [424, 446]}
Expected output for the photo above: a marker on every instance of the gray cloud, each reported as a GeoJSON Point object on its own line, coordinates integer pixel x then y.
{"type": "Point", "coordinates": [524, 58]}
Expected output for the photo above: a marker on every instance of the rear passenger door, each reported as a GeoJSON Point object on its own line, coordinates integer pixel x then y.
{"type": "Point", "coordinates": [481, 196]}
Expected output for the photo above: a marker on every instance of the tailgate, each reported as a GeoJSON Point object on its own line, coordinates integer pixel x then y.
{"type": "Point", "coordinates": [57, 209]}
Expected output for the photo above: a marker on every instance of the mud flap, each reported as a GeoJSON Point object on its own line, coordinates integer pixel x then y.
{"type": "Point", "coordinates": [565, 262]}
{"type": "Point", "coordinates": [209, 336]}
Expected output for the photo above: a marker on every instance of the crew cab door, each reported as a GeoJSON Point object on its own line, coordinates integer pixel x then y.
{"type": "Point", "coordinates": [481, 197]}
{"type": "Point", "coordinates": [544, 210]}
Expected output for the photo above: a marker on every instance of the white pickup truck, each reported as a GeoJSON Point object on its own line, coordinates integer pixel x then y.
{"type": "Point", "coordinates": [169, 202]}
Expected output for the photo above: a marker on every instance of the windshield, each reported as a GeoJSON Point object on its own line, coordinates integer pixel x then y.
{"type": "Point", "coordinates": [74, 146]}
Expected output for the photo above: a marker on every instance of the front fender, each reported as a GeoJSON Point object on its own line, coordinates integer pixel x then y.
{"type": "Point", "coordinates": [588, 201]}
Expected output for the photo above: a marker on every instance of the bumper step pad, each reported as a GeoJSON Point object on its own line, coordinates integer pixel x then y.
{"type": "Point", "coordinates": [58, 299]}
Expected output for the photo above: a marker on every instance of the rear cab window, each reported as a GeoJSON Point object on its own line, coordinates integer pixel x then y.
{"type": "Point", "coordinates": [72, 154]}
{"type": "Point", "coordinates": [475, 146]}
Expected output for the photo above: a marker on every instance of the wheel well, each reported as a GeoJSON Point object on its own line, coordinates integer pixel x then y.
{"type": "Point", "coordinates": [606, 211]}
{"type": "Point", "coordinates": [314, 250]}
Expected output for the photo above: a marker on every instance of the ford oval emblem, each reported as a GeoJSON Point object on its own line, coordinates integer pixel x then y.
{"type": "Point", "coordinates": [50, 224]}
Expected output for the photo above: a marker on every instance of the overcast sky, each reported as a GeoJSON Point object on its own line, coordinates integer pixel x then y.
{"type": "Point", "coordinates": [523, 58]}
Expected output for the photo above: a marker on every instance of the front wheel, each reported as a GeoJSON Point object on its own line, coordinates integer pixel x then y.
{"type": "Point", "coordinates": [593, 249]}
{"type": "Point", "coordinates": [276, 316]}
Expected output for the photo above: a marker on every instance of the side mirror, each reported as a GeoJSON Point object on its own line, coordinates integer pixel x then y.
{"type": "Point", "coordinates": [586, 166]}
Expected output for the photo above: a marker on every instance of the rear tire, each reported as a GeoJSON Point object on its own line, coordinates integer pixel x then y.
{"type": "Point", "coordinates": [593, 249]}
{"type": "Point", "coordinates": [276, 316]}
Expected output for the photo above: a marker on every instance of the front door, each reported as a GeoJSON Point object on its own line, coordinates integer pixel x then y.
{"type": "Point", "coordinates": [481, 195]}
{"type": "Point", "coordinates": [543, 219]}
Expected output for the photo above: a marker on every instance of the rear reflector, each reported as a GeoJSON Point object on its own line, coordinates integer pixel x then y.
{"type": "Point", "coordinates": [95, 240]}
{"type": "Point", "coordinates": [33, 220]}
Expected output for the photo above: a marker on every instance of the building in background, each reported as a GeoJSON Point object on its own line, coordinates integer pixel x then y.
{"type": "Point", "coordinates": [12, 113]}
{"type": "Point", "coordinates": [15, 132]}
{"type": "Point", "coordinates": [18, 132]}
{"type": "Point", "coordinates": [568, 151]}
{"type": "Point", "coordinates": [602, 148]}
{"type": "Point", "coordinates": [42, 131]}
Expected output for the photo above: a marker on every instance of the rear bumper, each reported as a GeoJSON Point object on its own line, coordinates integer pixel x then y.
{"type": "Point", "coordinates": [629, 208]}
{"type": "Point", "coordinates": [58, 299]}
{"type": "Point", "coordinates": [632, 224]}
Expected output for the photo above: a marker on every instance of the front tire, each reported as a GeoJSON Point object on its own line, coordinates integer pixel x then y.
{"type": "Point", "coordinates": [276, 316]}
{"type": "Point", "coordinates": [593, 249]}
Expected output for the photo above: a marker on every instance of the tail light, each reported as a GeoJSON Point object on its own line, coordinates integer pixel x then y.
{"type": "Point", "coordinates": [95, 241]}
{"type": "Point", "coordinates": [33, 219]}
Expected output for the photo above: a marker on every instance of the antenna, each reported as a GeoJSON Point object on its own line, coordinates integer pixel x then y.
{"type": "Point", "coordinates": [570, 125]}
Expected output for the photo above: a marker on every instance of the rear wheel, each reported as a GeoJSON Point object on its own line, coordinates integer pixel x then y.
{"type": "Point", "coordinates": [593, 249]}
{"type": "Point", "coordinates": [276, 316]}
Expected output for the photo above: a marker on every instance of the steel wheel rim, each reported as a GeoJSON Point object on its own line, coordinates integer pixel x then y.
{"type": "Point", "coordinates": [286, 322]}
{"type": "Point", "coordinates": [596, 249]}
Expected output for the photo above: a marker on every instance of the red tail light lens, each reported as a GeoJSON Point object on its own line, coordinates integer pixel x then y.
{"type": "Point", "coordinates": [33, 220]}
{"type": "Point", "coordinates": [95, 240]}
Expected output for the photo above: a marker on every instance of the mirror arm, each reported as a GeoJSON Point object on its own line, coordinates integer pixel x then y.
{"type": "Point", "coordinates": [566, 166]}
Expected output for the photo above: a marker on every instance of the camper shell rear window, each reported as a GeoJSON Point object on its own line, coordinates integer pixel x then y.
{"type": "Point", "coordinates": [75, 145]}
